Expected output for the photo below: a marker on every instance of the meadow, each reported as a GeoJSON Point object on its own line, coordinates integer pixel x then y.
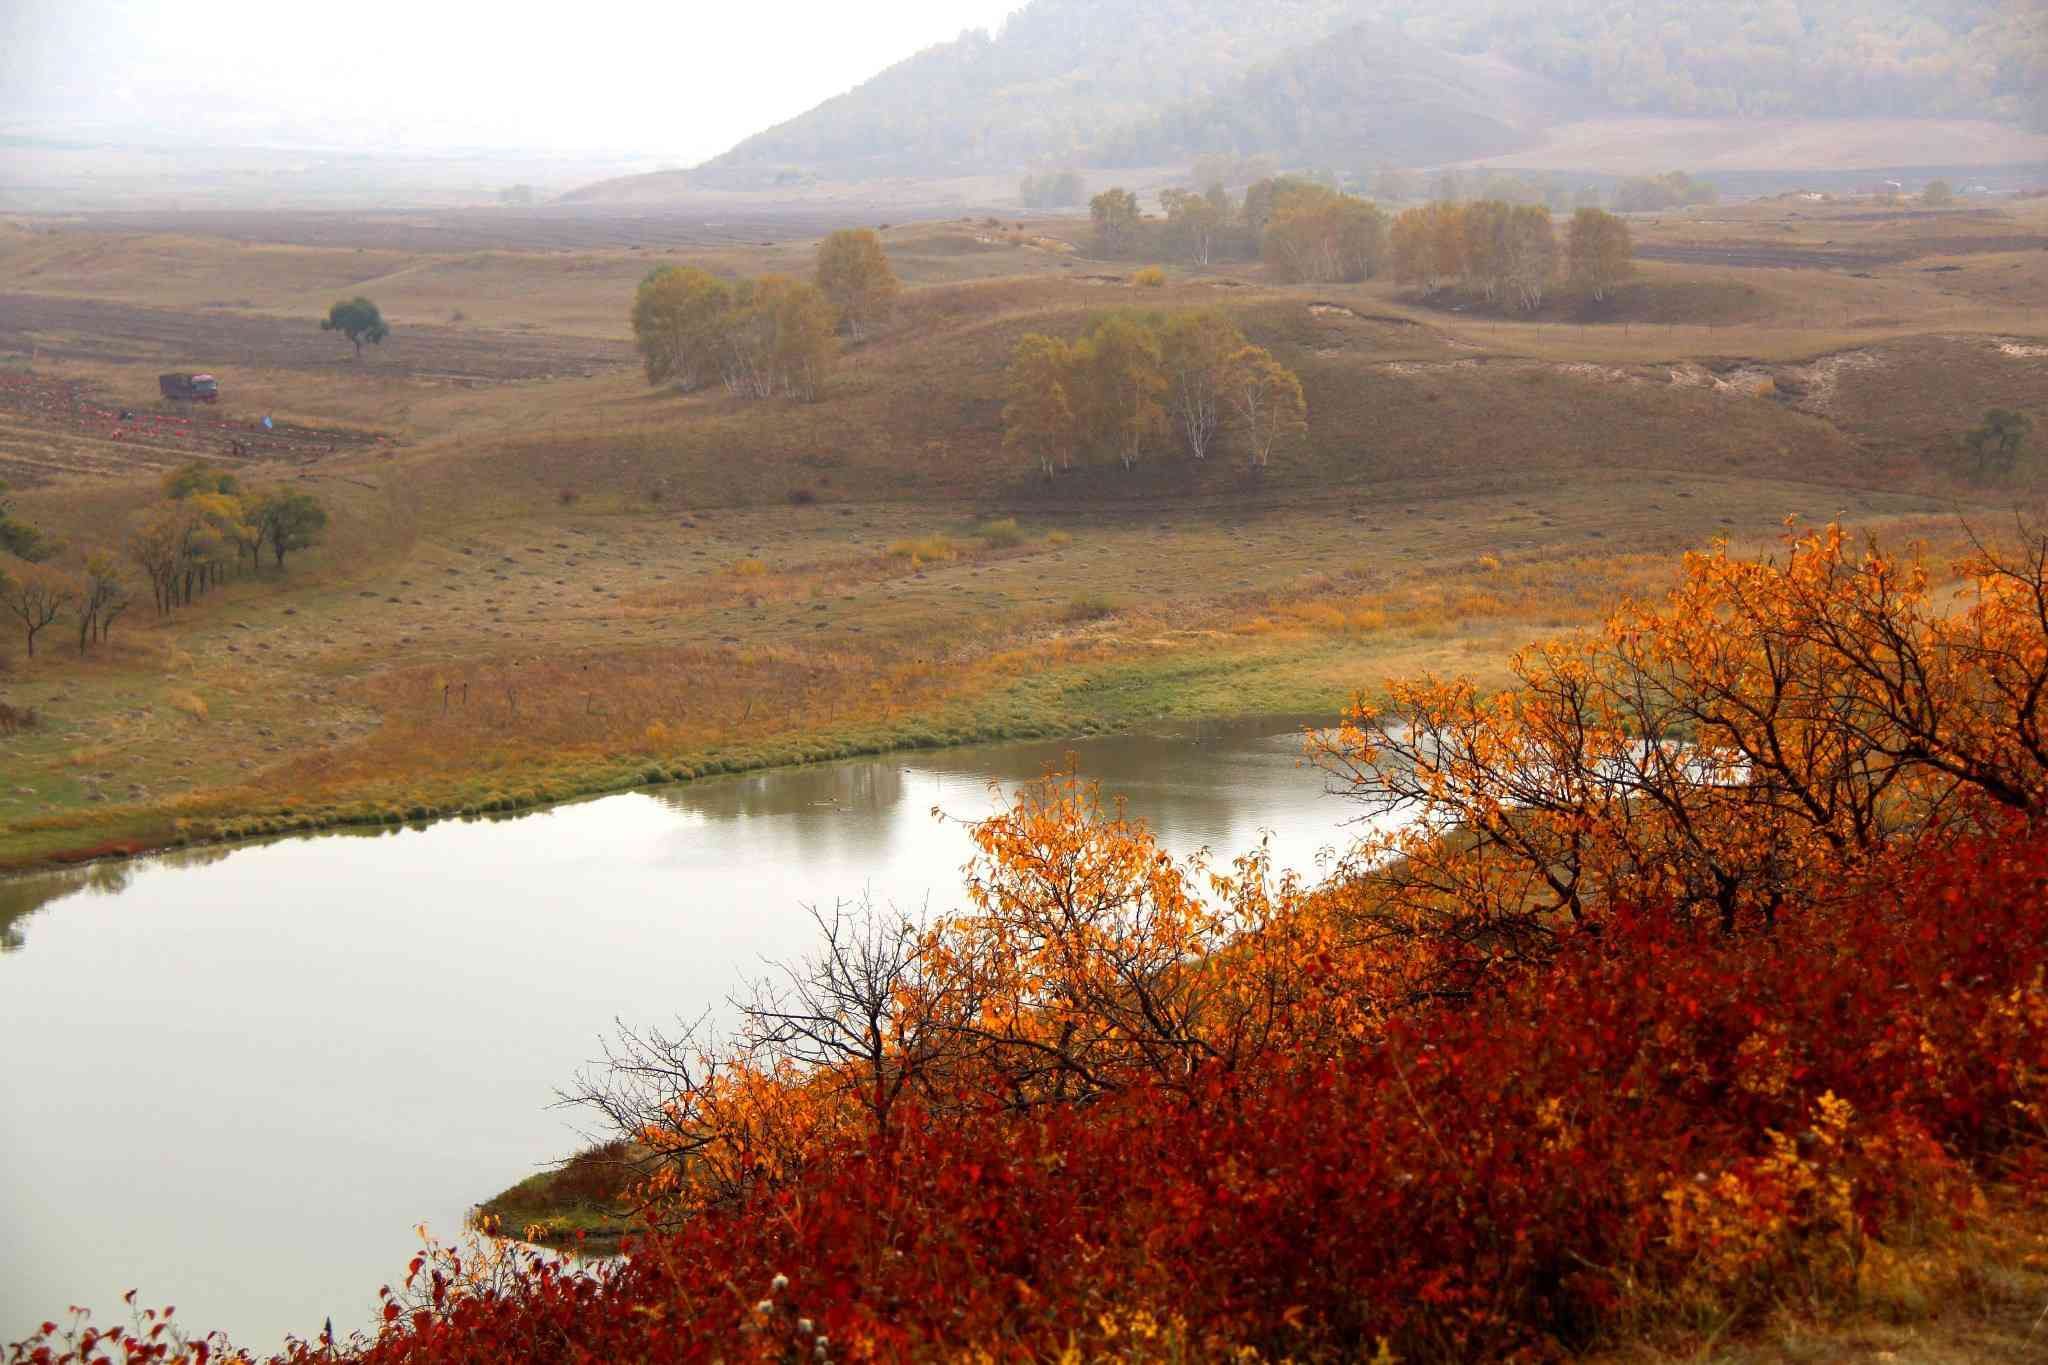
{"type": "Point", "coordinates": [544, 579]}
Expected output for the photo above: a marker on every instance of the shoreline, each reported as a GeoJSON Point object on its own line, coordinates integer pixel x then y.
{"type": "Point", "coordinates": [103, 845]}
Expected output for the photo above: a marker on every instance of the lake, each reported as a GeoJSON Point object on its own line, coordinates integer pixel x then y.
{"type": "Point", "coordinates": [236, 1078]}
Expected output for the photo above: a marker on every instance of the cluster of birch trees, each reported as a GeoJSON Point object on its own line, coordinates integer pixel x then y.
{"type": "Point", "coordinates": [1134, 385]}
{"type": "Point", "coordinates": [771, 337]}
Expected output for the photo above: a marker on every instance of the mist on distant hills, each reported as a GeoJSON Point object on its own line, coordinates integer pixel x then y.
{"type": "Point", "coordinates": [1106, 82]}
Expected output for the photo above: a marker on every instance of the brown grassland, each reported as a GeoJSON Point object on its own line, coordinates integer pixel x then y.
{"type": "Point", "coordinates": [544, 579]}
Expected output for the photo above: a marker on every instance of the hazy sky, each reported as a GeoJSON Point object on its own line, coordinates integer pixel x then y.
{"type": "Point", "coordinates": [682, 79]}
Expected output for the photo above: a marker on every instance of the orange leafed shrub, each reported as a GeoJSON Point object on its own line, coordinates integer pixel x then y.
{"type": "Point", "coordinates": [1712, 956]}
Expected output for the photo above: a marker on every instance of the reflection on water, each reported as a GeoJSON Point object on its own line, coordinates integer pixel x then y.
{"type": "Point", "coordinates": [236, 1078]}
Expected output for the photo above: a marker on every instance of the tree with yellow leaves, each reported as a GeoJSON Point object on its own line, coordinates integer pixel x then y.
{"type": "Point", "coordinates": [679, 315]}
{"type": "Point", "coordinates": [1039, 416]}
{"type": "Point", "coordinates": [1266, 400]}
{"type": "Point", "coordinates": [855, 276]}
{"type": "Point", "coordinates": [1599, 251]}
{"type": "Point", "coordinates": [1121, 379]}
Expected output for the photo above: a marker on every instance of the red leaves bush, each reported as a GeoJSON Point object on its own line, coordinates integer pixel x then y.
{"type": "Point", "coordinates": [1663, 1117]}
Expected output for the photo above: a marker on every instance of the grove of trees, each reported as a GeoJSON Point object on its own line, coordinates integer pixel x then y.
{"type": "Point", "coordinates": [1509, 253]}
{"type": "Point", "coordinates": [1309, 231]}
{"type": "Point", "coordinates": [771, 337]}
{"type": "Point", "coordinates": [1053, 190]}
{"type": "Point", "coordinates": [1672, 190]}
{"type": "Point", "coordinates": [207, 525]}
{"type": "Point", "coordinates": [1995, 444]}
{"type": "Point", "coordinates": [1132, 384]}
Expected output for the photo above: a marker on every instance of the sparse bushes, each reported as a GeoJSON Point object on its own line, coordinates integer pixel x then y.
{"type": "Point", "coordinates": [189, 703]}
{"type": "Point", "coordinates": [1001, 534]}
{"type": "Point", "coordinates": [1088, 607]}
{"type": "Point", "coordinates": [924, 549]}
{"type": "Point", "coordinates": [1150, 277]}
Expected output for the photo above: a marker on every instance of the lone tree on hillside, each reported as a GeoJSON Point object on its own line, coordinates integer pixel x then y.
{"type": "Point", "coordinates": [359, 321]}
{"type": "Point", "coordinates": [1938, 194]}
{"type": "Point", "coordinates": [290, 521]}
{"type": "Point", "coordinates": [35, 595]}
{"type": "Point", "coordinates": [855, 275]}
{"type": "Point", "coordinates": [1599, 252]}
{"type": "Point", "coordinates": [1995, 444]}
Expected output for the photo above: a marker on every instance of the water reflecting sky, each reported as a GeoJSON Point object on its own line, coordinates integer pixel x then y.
{"type": "Point", "coordinates": [234, 1080]}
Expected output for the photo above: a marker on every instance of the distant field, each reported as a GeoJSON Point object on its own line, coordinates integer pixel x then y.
{"type": "Point", "coordinates": [104, 331]}
{"type": "Point", "coordinates": [676, 583]}
{"type": "Point", "coordinates": [1633, 146]}
{"type": "Point", "coordinates": [565, 228]}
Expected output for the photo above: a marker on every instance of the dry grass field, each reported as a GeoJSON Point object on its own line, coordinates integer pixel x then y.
{"type": "Point", "coordinates": [545, 579]}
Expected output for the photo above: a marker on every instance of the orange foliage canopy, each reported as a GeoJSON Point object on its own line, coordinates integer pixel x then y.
{"type": "Point", "coordinates": [1712, 953]}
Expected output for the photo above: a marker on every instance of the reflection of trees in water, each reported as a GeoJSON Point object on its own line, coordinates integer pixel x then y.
{"type": "Point", "coordinates": [21, 897]}
{"type": "Point", "coordinates": [825, 808]}
{"type": "Point", "coordinates": [1192, 781]}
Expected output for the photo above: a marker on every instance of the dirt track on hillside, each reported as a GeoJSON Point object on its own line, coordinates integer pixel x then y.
{"type": "Point", "coordinates": [97, 330]}
{"type": "Point", "coordinates": [1776, 256]}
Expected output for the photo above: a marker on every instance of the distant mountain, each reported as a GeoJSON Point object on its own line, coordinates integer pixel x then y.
{"type": "Point", "coordinates": [1061, 74]}
{"type": "Point", "coordinates": [1363, 96]}
{"type": "Point", "coordinates": [1356, 82]}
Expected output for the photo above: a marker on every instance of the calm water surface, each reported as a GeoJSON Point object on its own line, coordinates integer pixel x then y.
{"type": "Point", "coordinates": [236, 1080]}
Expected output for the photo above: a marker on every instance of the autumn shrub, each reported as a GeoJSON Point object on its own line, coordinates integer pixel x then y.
{"type": "Point", "coordinates": [1092, 606]}
{"type": "Point", "coordinates": [1150, 277]}
{"type": "Point", "coordinates": [1713, 960]}
{"type": "Point", "coordinates": [190, 703]}
{"type": "Point", "coordinates": [1003, 533]}
{"type": "Point", "coordinates": [932, 549]}
{"type": "Point", "coordinates": [16, 719]}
